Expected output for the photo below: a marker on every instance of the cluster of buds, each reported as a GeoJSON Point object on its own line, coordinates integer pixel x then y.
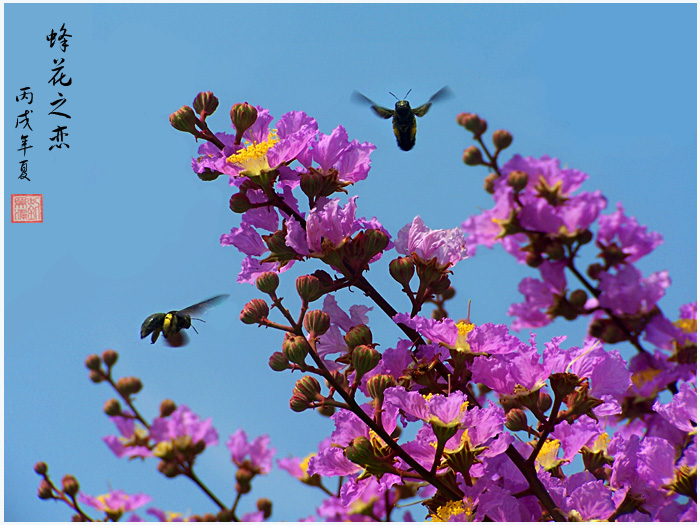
{"type": "Point", "coordinates": [316, 183]}
{"type": "Point", "coordinates": [433, 278]}
{"type": "Point", "coordinates": [353, 255]}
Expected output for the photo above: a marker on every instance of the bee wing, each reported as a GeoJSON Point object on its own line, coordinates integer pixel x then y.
{"type": "Point", "coordinates": [422, 110]}
{"type": "Point", "coordinates": [177, 339]}
{"type": "Point", "coordinates": [379, 110]}
{"type": "Point", "coordinates": [202, 307]}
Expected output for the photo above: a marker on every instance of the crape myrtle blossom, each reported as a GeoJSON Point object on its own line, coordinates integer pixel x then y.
{"type": "Point", "coordinates": [183, 422]}
{"type": "Point", "coordinates": [332, 341]}
{"type": "Point", "coordinates": [446, 246]}
{"type": "Point", "coordinates": [115, 503]}
{"type": "Point", "coordinates": [133, 441]}
{"type": "Point", "coordinates": [329, 225]}
{"type": "Point", "coordinates": [256, 456]}
{"type": "Point", "coordinates": [629, 237]}
{"type": "Point", "coordinates": [545, 204]}
{"type": "Point", "coordinates": [540, 296]}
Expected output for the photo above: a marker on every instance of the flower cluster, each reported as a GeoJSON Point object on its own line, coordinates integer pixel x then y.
{"type": "Point", "coordinates": [470, 420]}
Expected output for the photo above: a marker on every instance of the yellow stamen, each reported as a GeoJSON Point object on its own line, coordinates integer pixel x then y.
{"type": "Point", "coordinates": [547, 457]}
{"type": "Point", "coordinates": [601, 444]}
{"type": "Point", "coordinates": [253, 158]}
{"type": "Point", "coordinates": [462, 330]}
{"type": "Point", "coordinates": [688, 326]}
{"type": "Point", "coordinates": [644, 376]}
{"type": "Point", "coordinates": [452, 509]}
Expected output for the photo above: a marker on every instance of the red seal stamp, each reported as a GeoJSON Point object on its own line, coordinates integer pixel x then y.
{"type": "Point", "coordinates": [28, 208]}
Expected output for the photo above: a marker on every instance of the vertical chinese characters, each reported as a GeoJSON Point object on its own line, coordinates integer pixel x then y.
{"type": "Point", "coordinates": [26, 97]}
{"type": "Point", "coordinates": [59, 78]}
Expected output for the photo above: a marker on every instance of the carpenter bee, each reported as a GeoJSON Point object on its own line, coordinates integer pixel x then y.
{"type": "Point", "coordinates": [174, 321]}
{"type": "Point", "coordinates": [404, 116]}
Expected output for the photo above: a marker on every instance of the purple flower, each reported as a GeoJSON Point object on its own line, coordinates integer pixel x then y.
{"type": "Point", "coordinates": [133, 441]}
{"type": "Point", "coordinates": [539, 296]}
{"type": "Point", "coordinates": [445, 410]}
{"type": "Point", "coordinates": [447, 246]}
{"type": "Point", "coordinates": [630, 237]}
{"type": "Point", "coordinates": [626, 292]}
{"type": "Point", "coordinates": [256, 455]}
{"type": "Point", "coordinates": [116, 502]}
{"type": "Point", "coordinates": [184, 422]}
{"type": "Point", "coordinates": [246, 239]}
{"type": "Point", "coordinates": [336, 152]}
{"type": "Point", "coordinates": [269, 148]}
{"type": "Point", "coordinates": [169, 517]}
{"type": "Point", "coordinates": [211, 157]}
{"type": "Point", "coordinates": [682, 411]}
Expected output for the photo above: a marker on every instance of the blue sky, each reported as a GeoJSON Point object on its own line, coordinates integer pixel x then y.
{"type": "Point", "coordinates": [129, 230]}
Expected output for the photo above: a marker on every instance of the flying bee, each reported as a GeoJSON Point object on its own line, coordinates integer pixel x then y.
{"type": "Point", "coordinates": [174, 321]}
{"type": "Point", "coordinates": [404, 116]}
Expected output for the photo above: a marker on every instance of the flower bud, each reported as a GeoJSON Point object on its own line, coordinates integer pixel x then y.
{"type": "Point", "coordinates": [544, 403]}
{"type": "Point", "coordinates": [45, 490]}
{"type": "Point", "coordinates": [578, 298]}
{"type": "Point", "coordinates": [295, 349]}
{"type": "Point", "coordinates": [584, 237]}
{"type": "Point", "coordinates": [256, 311]}
{"type": "Point", "coordinates": [208, 516]}
{"type": "Point", "coordinates": [517, 180]}
{"type": "Point", "coordinates": [239, 203]}
{"type": "Point", "coordinates": [533, 260]}
{"type": "Point", "coordinates": [364, 359]}
{"type": "Point", "coordinates": [376, 385]}
{"type": "Point", "coordinates": [93, 362]}
{"type": "Point", "coordinates": [555, 251]}
{"type": "Point", "coordinates": [326, 410]}
{"type": "Point", "coordinates": [167, 407]}
{"type": "Point", "coordinates": [96, 376]}
{"type": "Point", "coordinates": [311, 183]}
{"type": "Point", "coordinates": [563, 383]}
{"type": "Point", "coordinates": [112, 408]}
{"type": "Point", "coordinates": [129, 385]}
{"type": "Point", "coordinates": [490, 183]}
{"type": "Point", "coordinates": [224, 515]}
{"type": "Point", "coordinates": [110, 357]}
{"type": "Point", "coordinates": [607, 331]}
{"type": "Point", "coordinates": [70, 485]}
{"type": "Point", "coordinates": [298, 402]}
{"type": "Point", "coordinates": [243, 117]}
{"type": "Point", "coordinates": [461, 118]}
{"type": "Point", "coordinates": [449, 294]}
{"type": "Point", "coordinates": [502, 139]}
{"type": "Point", "coordinates": [184, 119]}
{"type": "Point", "coordinates": [516, 420]}
{"type": "Point", "coordinates": [167, 468]}
{"type": "Point", "coordinates": [374, 242]}
{"type": "Point", "coordinates": [278, 362]}
{"type": "Point", "coordinates": [267, 282]}
{"type": "Point", "coordinates": [308, 288]}
{"type": "Point", "coordinates": [471, 121]}
{"type": "Point", "coordinates": [358, 335]}
{"type": "Point", "coordinates": [472, 156]}
{"type": "Point", "coordinates": [41, 468]}
{"type": "Point", "coordinates": [264, 505]}
{"type": "Point", "coordinates": [309, 387]}
{"type": "Point", "coordinates": [317, 322]}
{"type": "Point", "coordinates": [594, 271]}
{"type": "Point", "coordinates": [402, 270]}
{"type": "Point", "coordinates": [205, 104]}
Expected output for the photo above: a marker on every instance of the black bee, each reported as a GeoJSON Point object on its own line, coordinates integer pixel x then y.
{"type": "Point", "coordinates": [174, 321]}
{"type": "Point", "coordinates": [404, 115]}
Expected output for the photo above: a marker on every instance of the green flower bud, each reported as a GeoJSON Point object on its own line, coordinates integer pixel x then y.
{"type": "Point", "coordinates": [110, 357]}
{"type": "Point", "coordinates": [489, 183]}
{"type": "Point", "coordinates": [295, 349]}
{"type": "Point", "coordinates": [578, 298]}
{"type": "Point", "coordinates": [70, 485]}
{"type": "Point", "coordinates": [594, 270]}
{"type": "Point", "coordinates": [264, 505]}
{"type": "Point", "coordinates": [96, 376]}
{"type": "Point", "coordinates": [256, 311]}
{"type": "Point", "coordinates": [41, 468]}
{"type": "Point", "coordinates": [533, 259]}
{"type": "Point", "coordinates": [112, 408]}
{"type": "Point", "coordinates": [462, 119]}
{"type": "Point", "coordinates": [309, 387]}
{"type": "Point", "coordinates": [167, 468]}
{"type": "Point", "coordinates": [298, 402]}
{"type": "Point", "coordinates": [516, 420]}
{"type": "Point", "coordinates": [358, 335]}
{"type": "Point", "coordinates": [471, 121]}
{"type": "Point", "coordinates": [205, 103]}
{"type": "Point", "coordinates": [129, 385]}
{"type": "Point", "coordinates": [472, 156]}
{"type": "Point", "coordinates": [544, 403]}
{"type": "Point", "coordinates": [402, 270]}
{"type": "Point", "coordinates": [243, 117]}
{"type": "Point", "coordinates": [584, 237]}
{"type": "Point", "coordinates": [224, 515]}
{"type": "Point", "coordinates": [167, 407]}
{"type": "Point", "coordinates": [376, 385]}
{"type": "Point", "coordinates": [326, 410]}
{"type": "Point", "coordinates": [373, 242]}
{"type": "Point", "coordinates": [184, 119]}
{"type": "Point", "coordinates": [311, 183]}
{"type": "Point", "coordinates": [308, 288]}
{"type": "Point", "coordinates": [45, 490]}
{"type": "Point", "coordinates": [317, 322]}
{"type": "Point", "coordinates": [502, 139]}
{"type": "Point", "coordinates": [93, 362]}
{"type": "Point", "coordinates": [239, 203]}
{"type": "Point", "coordinates": [278, 362]}
{"type": "Point", "coordinates": [517, 180]}
{"type": "Point", "coordinates": [267, 282]}
{"type": "Point", "coordinates": [364, 359]}
{"type": "Point", "coordinates": [563, 384]}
